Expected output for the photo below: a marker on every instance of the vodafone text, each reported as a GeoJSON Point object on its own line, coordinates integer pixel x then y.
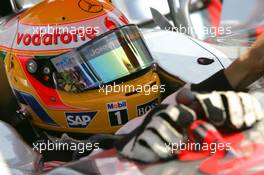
{"type": "Point", "coordinates": [65, 36]}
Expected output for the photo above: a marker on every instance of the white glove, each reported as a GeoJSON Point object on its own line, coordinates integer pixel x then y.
{"type": "Point", "coordinates": [163, 125]}
{"type": "Point", "coordinates": [230, 109]}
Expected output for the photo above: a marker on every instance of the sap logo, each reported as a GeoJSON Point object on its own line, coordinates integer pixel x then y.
{"type": "Point", "coordinates": [117, 106]}
{"type": "Point", "coordinates": [79, 119]}
{"type": "Point", "coordinates": [143, 109]}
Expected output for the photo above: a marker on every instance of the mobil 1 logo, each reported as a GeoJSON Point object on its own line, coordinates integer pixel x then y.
{"type": "Point", "coordinates": [144, 108]}
{"type": "Point", "coordinates": [79, 119]}
{"type": "Point", "coordinates": [117, 112]}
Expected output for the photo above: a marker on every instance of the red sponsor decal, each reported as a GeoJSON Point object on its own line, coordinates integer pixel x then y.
{"type": "Point", "coordinates": [38, 39]}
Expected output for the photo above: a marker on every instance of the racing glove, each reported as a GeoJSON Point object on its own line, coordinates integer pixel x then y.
{"type": "Point", "coordinates": [164, 125]}
{"type": "Point", "coordinates": [229, 110]}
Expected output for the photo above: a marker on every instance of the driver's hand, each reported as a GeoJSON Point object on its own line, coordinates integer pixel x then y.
{"type": "Point", "coordinates": [163, 125]}
{"type": "Point", "coordinates": [168, 124]}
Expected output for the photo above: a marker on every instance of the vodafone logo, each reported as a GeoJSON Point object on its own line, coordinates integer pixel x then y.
{"type": "Point", "coordinates": [38, 39]}
{"type": "Point", "coordinates": [56, 37]}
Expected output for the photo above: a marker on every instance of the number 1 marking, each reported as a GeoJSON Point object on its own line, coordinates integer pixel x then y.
{"type": "Point", "coordinates": [118, 116]}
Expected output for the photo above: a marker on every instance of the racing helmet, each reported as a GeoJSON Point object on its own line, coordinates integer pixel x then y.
{"type": "Point", "coordinates": [79, 67]}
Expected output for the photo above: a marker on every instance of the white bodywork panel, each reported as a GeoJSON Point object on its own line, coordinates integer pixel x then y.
{"type": "Point", "coordinates": [177, 54]}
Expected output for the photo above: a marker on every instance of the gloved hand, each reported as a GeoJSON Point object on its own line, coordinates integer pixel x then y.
{"type": "Point", "coordinates": [162, 126]}
{"type": "Point", "coordinates": [228, 110]}
{"type": "Point", "coordinates": [167, 124]}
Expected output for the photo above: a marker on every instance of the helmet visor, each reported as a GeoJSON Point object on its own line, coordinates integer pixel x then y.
{"type": "Point", "coordinates": [111, 56]}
